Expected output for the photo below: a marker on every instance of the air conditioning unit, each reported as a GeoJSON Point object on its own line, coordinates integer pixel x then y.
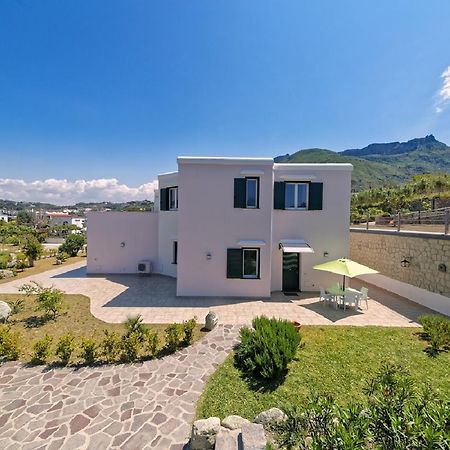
{"type": "Point", "coordinates": [144, 267]}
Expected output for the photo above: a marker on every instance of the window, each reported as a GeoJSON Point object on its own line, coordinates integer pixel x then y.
{"type": "Point", "coordinates": [243, 263]}
{"type": "Point", "coordinates": [296, 196]}
{"type": "Point", "coordinates": [175, 252]}
{"type": "Point", "coordinates": [173, 198]}
{"type": "Point", "coordinates": [250, 263]}
{"type": "Point", "coordinates": [251, 192]}
{"type": "Point", "coordinates": [246, 193]}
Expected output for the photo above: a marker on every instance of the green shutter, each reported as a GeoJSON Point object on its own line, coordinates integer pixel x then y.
{"type": "Point", "coordinates": [234, 263]}
{"type": "Point", "coordinates": [315, 196]}
{"type": "Point", "coordinates": [240, 188]}
{"type": "Point", "coordinates": [278, 195]}
{"type": "Point", "coordinates": [164, 199]}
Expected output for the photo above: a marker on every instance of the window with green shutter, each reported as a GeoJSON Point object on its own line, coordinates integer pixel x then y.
{"type": "Point", "coordinates": [315, 196]}
{"type": "Point", "coordinates": [243, 263]}
{"type": "Point", "coordinates": [279, 195]}
{"type": "Point", "coordinates": [234, 263]}
{"type": "Point", "coordinates": [239, 192]}
{"type": "Point", "coordinates": [164, 199]}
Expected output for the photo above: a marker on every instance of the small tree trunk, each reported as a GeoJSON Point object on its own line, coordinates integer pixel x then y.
{"type": "Point", "coordinates": [31, 262]}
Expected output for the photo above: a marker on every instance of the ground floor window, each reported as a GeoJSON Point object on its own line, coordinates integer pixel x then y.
{"type": "Point", "coordinates": [250, 262]}
{"type": "Point", "coordinates": [175, 252]}
{"type": "Point", "coordinates": [243, 263]}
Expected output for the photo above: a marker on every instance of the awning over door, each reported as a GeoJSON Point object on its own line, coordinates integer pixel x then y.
{"type": "Point", "coordinates": [292, 246]}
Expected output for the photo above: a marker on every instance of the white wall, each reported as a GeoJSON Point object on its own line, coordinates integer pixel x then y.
{"type": "Point", "coordinates": [209, 223]}
{"type": "Point", "coordinates": [325, 231]}
{"type": "Point", "coordinates": [167, 229]}
{"type": "Point", "coordinates": [426, 298]}
{"type": "Point", "coordinates": [107, 230]}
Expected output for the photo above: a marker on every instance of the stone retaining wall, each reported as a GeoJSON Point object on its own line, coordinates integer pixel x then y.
{"type": "Point", "coordinates": [384, 251]}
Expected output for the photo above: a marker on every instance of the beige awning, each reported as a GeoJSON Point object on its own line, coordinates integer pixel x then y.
{"type": "Point", "coordinates": [292, 246]}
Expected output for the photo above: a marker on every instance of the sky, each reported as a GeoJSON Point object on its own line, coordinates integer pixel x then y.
{"type": "Point", "coordinates": [98, 97]}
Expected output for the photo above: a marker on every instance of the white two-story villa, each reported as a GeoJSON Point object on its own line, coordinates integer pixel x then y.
{"type": "Point", "coordinates": [232, 227]}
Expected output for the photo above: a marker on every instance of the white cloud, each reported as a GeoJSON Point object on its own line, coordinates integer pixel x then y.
{"type": "Point", "coordinates": [65, 192]}
{"type": "Point", "coordinates": [444, 92]}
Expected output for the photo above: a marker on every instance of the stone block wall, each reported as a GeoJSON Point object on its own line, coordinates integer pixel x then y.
{"type": "Point", "coordinates": [384, 251]}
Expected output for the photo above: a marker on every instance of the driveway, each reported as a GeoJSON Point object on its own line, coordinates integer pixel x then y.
{"type": "Point", "coordinates": [115, 297]}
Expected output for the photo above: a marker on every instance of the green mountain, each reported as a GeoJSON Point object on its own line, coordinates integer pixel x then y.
{"type": "Point", "coordinates": [386, 164]}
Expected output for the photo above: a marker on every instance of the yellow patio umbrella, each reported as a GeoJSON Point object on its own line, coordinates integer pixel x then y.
{"type": "Point", "coordinates": [345, 267]}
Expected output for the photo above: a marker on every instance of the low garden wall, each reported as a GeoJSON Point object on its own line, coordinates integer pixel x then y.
{"type": "Point", "coordinates": [414, 265]}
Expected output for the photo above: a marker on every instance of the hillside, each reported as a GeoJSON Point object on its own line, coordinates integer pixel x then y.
{"type": "Point", "coordinates": [383, 164]}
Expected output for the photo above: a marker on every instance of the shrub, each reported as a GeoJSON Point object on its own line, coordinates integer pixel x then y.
{"type": "Point", "coordinates": [73, 244]}
{"type": "Point", "coordinates": [21, 261]}
{"type": "Point", "coordinates": [267, 349]}
{"type": "Point", "coordinates": [88, 351]}
{"type": "Point", "coordinates": [394, 416]}
{"type": "Point", "coordinates": [188, 330]}
{"type": "Point", "coordinates": [134, 324]}
{"type": "Point", "coordinates": [61, 257]}
{"type": "Point", "coordinates": [16, 306]}
{"type": "Point", "coordinates": [151, 343]}
{"type": "Point", "coordinates": [65, 347]}
{"type": "Point", "coordinates": [41, 350]}
{"type": "Point", "coordinates": [5, 258]}
{"type": "Point", "coordinates": [437, 329]}
{"type": "Point", "coordinates": [131, 346]}
{"type": "Point", "coordinates": [9, 344]}
{"type": "Point", "coordinates": [48, 299]}
{"type": "Point", "coordinates": [110, 346]}
{"type": "Point", "coordinates": [173, 336]}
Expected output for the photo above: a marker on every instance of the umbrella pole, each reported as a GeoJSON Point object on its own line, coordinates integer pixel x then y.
{"type": "Point", "coordinates": [343, 284]}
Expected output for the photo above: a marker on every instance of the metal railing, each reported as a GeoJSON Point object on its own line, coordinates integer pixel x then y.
{"type": "Point", "coordinates": [434, 221]}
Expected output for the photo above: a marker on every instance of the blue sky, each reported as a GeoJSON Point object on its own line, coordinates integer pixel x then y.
{"type": "Point", "coordinates": [118, 89]}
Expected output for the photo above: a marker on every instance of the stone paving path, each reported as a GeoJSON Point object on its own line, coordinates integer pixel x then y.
{"type": "Point", "coordinates": [131, 407]}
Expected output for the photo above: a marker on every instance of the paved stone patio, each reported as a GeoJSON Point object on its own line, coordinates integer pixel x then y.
{"type": "Point", "coordinates": [141, 406]}
{"type": "Point", "coordinates": [115, 297]}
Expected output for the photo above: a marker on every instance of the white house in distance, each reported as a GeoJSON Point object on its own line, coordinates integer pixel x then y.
{"type": "Point", "coordinates": [61, 218]}
{"type": "Point", "coordinates": [231, 227]}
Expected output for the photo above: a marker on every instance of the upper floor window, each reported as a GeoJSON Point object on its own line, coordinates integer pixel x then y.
{"type": "Point", "coordinates": [173, 198]}
{"type": "Point", "coordinates": [251, 192]}
{"type": "Point", "coordinates": [296, 196]}
{"type": "Point", "coordinates": [246, 192]}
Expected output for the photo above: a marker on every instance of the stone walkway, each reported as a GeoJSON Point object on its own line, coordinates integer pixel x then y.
{"type": "Point", "coordinates": [115, 297]}
{"type": "Point", "coordinates": [141, 406]}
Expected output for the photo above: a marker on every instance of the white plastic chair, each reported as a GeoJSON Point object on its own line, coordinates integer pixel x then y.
{"type": "Point", "coordinates": [364, 297]}
{"type": "Point", "coordinates": [324, 297]}
{"type": "Point", "coordinates": [350, 299]}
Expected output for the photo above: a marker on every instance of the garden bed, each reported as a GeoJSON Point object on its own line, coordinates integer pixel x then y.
{"type": "Point", "coordinates": [335, 360]}
{"type": "Point", "coordinates": [75, 318]}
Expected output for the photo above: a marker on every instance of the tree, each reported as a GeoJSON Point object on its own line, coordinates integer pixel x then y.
{"type": "Point", "coordinates": [24, 218]}
{"type": "Point", "coordinates": [73, 244]}
{"type": "Point", "coordinates": [32, 249]}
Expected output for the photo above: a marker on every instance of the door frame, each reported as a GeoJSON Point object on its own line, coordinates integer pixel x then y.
{"type": "Point", "coordinates": [298, 272]}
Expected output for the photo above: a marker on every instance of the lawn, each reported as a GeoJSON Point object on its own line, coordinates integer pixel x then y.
{"type": "Point", "coordinates": [335, 360]}
{"type": "Point", "coordinates": [76, 317]}
{"type": "Point", "coordinates": [42, 265]}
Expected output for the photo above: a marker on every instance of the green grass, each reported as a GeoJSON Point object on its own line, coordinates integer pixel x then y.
{"type": "Point", "coordinates": [334, 360]}
{"type": "Point", "coordinates": [75, 317]}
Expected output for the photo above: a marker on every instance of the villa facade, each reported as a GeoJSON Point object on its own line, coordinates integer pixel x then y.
{"type": "Point", "coordinates": [232, 227]}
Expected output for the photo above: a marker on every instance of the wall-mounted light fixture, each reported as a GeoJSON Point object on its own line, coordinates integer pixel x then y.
{"type": "Point", "coordinates": [405, 262]}
{"type": "Point", "coordinates": [208, 255]}
{"type": "Point", "coordinates": [325, 254]}
{"type": "Point", "coordinates": [122, 244]}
